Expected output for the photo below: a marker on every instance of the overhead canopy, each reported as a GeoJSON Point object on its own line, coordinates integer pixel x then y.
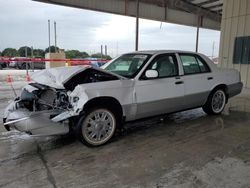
{"type": "Point", "coordinates": [184, 12]}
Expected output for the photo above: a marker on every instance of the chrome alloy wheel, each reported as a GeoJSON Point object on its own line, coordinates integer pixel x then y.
{"type": "Point", "coordinates": [98, 126]}
{"type": "Point", "coordinates": [218, 101]}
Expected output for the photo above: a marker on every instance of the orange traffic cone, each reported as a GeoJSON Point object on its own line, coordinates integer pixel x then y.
{"type": "Point", "coordinates": [9, 79]}
{"type": "Point", "coordinates": [28, 78]}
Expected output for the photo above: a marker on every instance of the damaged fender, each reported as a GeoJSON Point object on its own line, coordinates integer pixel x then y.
{"type": "Point", "coordinates": [45, 122]}
{"type": "Point", "coordinates": [78, 98]}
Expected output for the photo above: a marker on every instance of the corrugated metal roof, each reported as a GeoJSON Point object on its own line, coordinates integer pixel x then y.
{"type": "Point", "coordinates": [214, 6]}
{"type": "Point", "coordinates": [211, 5]}
{"type": "Point", "coordinates": [185, 12]}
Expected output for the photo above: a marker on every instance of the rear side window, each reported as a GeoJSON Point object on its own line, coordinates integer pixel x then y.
{"type": "Point", "coordinates": [193, 64]}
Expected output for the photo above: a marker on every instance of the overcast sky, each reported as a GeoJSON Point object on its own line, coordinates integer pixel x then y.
{"type": "Point", "coordinates": [24, 22]}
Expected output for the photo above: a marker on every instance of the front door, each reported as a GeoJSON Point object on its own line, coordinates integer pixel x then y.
{"type": "Point", "coordinates": [163, 94]}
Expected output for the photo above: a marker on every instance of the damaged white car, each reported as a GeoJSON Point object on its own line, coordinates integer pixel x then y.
{"type": "Point", "coordinates": [94, 102]}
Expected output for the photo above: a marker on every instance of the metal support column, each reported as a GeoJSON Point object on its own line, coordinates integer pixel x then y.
{"type": "Point", "coordinates": [126, 7]}
{"type": "Point", "coordinates": [137, 26]}
{"type": "Point", "coordinates": [197, 34]}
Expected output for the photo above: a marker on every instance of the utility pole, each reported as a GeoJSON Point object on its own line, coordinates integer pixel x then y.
{"type": "Point", "coordinates": [32, 53]}
{"type": "Point", "coordinates": [26, 55]}
{"type": "Point", "coordinates": [49, 34]}
{"type": "Point", "coordinates": [106, 50]}
{"type": "Point", "coordinates": [55, 37]}
{"type": "Point", "coordinates": [101, 52]}
{"type": "Point", "coordinates": [32, 56]}
{"type": "Point", "coordinates": [137, 26]}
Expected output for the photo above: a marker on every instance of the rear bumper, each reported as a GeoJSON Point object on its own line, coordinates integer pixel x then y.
{"type": "Point", "coordinates": [234, 89]}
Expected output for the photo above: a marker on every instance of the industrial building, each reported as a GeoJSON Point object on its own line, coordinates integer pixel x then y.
{"type": "Point", "coordinates": [235, 37]}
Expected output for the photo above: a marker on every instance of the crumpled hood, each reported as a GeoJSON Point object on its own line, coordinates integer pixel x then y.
{"type": "Point", "coordinates": [56, 77]}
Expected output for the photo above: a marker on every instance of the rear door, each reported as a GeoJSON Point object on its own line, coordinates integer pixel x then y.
{"type": "Point", "coordinates": [197, 77]}
{"type": "Point", "coordinates": [163, 94]}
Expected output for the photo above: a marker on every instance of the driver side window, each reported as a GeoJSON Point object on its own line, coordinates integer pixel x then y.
{"type": "Point", "coordinates": [165, 65]}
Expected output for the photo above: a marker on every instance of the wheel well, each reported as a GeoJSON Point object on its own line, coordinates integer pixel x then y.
{"type": "Point", "coordinates": [107, 102]}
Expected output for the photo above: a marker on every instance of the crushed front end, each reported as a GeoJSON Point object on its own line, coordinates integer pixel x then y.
{"type": "Point", "coordinates": [37, 110]}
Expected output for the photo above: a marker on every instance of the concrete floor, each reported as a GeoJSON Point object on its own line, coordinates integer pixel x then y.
{"type": "Point", "coordinates": [187, 149]}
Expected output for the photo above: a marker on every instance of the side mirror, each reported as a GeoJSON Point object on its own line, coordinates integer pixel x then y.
{"type": "Point", "coordinates": [151, 74]}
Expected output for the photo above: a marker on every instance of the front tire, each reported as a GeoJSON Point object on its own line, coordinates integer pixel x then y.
{"type": "Point", "coordinates": [216, 102]}
{"type": "Point", "coordinates": [97, 127]}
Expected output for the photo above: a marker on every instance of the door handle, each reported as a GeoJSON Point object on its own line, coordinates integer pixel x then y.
{"type": "Point", "coordinates": [179, 82]}
{"type": "Point", "coordinates": [210, 78]}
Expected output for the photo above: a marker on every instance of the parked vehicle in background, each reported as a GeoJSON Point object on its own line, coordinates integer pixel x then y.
{"type": "Point", "coordinates": [37, 65]}
{"type": "Point", "coordinates": [3, 64]}
{"type": "Point", "coordinates": [94, 62]}
{"type": "Point", "coordinates": [31, 65]}
{"type": "Point", "coordinates": [13, 62]}
{"type": "Point", "coordinates": [94, 102]}
{"type": "Point", "coordinates": [20, 63]}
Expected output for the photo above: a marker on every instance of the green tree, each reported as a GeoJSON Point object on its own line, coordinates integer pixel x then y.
{"type": "Point", "coordinates": [99, 55]}
{"type": "Point", "coordinates": [10, 52]}
{"type": "Point", "coordinates": [73, 54]}
{"type": "Point", "coordinates": [22, 51]}
{"type": "Point", "coordinates": [52, 49]}
{"type": "Point", "coordinates": [0, 53]}
{"type": "Point", "coordinates": [84, 54]}
{"type": "Point", "coordinates": [76, 54]}
{"type": "Point", "coordinates": [38, 53]}
{"type": "Point", "coordinates": [108, 57]}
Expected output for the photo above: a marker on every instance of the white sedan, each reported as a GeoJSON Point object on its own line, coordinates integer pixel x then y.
{"type": "Point", "coordinates": [93, 102]}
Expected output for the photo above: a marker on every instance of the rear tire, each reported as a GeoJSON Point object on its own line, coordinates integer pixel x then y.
{"type": "Point", "coordinates": [216, 102]}
{"type": "Point", "coordinates": [97, 126]}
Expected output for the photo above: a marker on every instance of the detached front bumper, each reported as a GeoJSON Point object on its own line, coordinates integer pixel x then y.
{"type": "Point", "coordinates": [34, 123]}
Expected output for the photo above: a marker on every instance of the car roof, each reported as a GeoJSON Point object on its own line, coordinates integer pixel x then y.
{"type": "Point", "coordinates": [153, 52]}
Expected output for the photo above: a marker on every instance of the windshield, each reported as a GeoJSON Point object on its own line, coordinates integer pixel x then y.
{"type": "Point", "coordinates": [128, 65]}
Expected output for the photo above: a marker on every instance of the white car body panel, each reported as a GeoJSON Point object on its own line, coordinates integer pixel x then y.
{"type": "Point", "coordinates": [122, 90]}
{"type": "Point", "coordinates": [156, 96]}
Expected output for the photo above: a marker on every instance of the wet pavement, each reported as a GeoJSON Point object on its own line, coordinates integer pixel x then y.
{"type": "Point", "coordinates": [187, 149]}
